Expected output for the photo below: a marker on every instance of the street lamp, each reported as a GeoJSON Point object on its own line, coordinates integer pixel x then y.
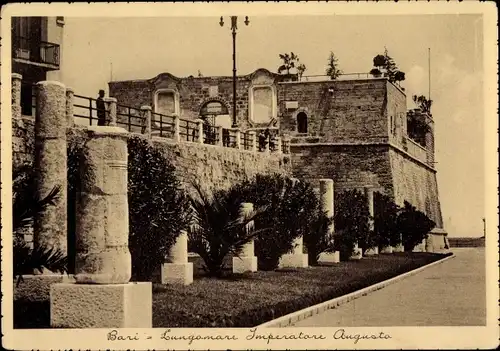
{"type": "Point", "coordinates": [234, 27]}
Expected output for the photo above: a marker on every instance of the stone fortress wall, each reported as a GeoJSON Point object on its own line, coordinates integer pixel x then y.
{"type": "Point", "coordinates": [356, 134]}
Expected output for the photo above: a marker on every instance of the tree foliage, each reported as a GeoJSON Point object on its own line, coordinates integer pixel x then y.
{"type": "Point", "coordinates": [158, 208]}
{"type": "Point", "coordinates": [290, 61]}
{"type": "Point", "coordinates": [422, 103]}
{"type": "Point", "coordinates": [301, 68]}
{"type": "Point", "coordinates": [318, 238]}
{"type": "Point", "coordinates": [332, 67]}
{"type": "Point", "coordinates": [27, 202]}
{"type": "Point", "coordinates": [386, 66]}
{"type": "Point", "coordinates": [289, 204]}
{"type": "Point", "coordinates": [414, 226]}
{"type": "Point", "coordinates": [219, 228]}
{"type": "Point", "coordinates": [351, 223]}
{"type": "Point", "coordinates": [386, 214]}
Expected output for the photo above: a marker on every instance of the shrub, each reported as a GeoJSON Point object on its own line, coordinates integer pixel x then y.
{"type": "Point", "coordinates": [218, 226]}
{"type": "Point", "coordinates": [351, 223]}
{"type": "Point", "coordinates": [158, 209]}
{"type": "Point", "coordinates": [385, 220]}
{"type": "Point", "coordinates": [318, 239]}
{"type": "Point", "coordinates": [289, 204]}
{"type": "Point", "coordinates": [26, 204]}
{"type": "Point", "coordinates": [414, 226]}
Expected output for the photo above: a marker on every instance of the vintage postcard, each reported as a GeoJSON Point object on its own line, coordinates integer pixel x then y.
{"type": "Point", "coordinates": [249, 176]}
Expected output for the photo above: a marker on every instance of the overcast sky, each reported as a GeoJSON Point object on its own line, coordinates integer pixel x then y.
{"type": "Point", "coordinates": [141, 48]}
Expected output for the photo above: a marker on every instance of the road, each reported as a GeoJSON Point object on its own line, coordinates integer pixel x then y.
{"type": "Point", "coordinates": [452, 293]}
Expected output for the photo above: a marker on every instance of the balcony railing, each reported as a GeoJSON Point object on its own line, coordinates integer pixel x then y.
{"type": "Point", "coordinates": [35, 51]}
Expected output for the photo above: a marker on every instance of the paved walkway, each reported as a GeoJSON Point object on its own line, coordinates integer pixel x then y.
{"type": "Point", "coordinates": [452, 293]}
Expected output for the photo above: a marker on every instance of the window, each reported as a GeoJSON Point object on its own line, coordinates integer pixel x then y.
{"type": "Point", "coordinates": [262, 103]}
{"type": "Point", "coordinates": [302, 123]}
{"type": "Point", "coordinates": [60, 20]}
{"type": "Point", "coordinates": [166, 102]}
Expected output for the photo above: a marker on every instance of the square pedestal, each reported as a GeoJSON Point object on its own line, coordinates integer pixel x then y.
{"type": "Point", "coordinates": [387, 250]}
{"type": "Point", "coordinates": [371, 252]}
{"type": "Point", "coordinates": [177, 273]}
{"type": "Point", "coordinates": [399, 248]}
{"type": "Point", "coordinates": [329, 257]}
{"type": "Point", "coordinates": [101, 306]}
{"type": "Point", "coordinates": [244, 264]}
{"type": "Point", "coordinates": [294, 261]}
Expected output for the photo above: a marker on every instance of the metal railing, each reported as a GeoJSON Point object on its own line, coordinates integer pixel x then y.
{"type": "Point", "coordinates": [188, 130]}
{"type": "Point", "coordinates": [246, 141]}
{"type": "Point", "coordinates": [343, 76]}
{"type": "Point", "coordinates": [87, 108]}
{"type": "Point", "coordinates": [211, 134]}
{"type": "Point", "coordinates": [162, 125]}
{"type": "Point", "coordinates": [35, 50]}
{"type": "Point", "coordinates": [130, 118]}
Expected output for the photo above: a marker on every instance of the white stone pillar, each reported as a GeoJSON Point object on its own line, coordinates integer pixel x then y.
{"type": "Point", "coordinates": [326, 195]}
{"type": "Point", "coordinates": [177, 269]}
{"type": "Point", "coordinates": [387, 249]}
{"type": "Point", "coordinates": [371, 223]}
{"type": "Point", "coordinates": [177, 129]}
{"type": "Point", "coordinates": [220, 131]}
{"type": "Point", "coordinates": [50, 225]}
{"type": "Point", "coordinates": [278, 145]}
{"type": "Point", "coordinates": [297, 258]}
{"type": "Point", "coordinates": [102, 296]}
{"type": "Point", "coordinates": [200, 131]}
{"type": "Point", "coordinates": [16, 95]}
{"type": "Point", "coordinates": [146, 113]}
{"type": "Point", "coordinates": [111, 111]}
{"type": "Point", "coordinates": [237, 134]}
{"type": "Point", "coordinates": [247, 261]}
{"type": "Point", "coordinates": [253, 136]}
{"type": "Point", "coordinates": [70, 118]}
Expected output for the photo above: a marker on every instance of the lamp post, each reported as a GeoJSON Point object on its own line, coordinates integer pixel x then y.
{"type": "Point", "coordinates": [234, 27]}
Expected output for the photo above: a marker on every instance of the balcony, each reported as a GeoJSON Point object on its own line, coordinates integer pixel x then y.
{"type": "Point", "coordinates": [35, 52]}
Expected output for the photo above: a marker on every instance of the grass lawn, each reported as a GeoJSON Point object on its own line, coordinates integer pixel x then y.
{"type": "Point", "coordinates": [254, 298]}
{"type": "Point", "coordinates": [244, 300]}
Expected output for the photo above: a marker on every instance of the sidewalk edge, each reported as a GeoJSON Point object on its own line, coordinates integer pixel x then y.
{"type": "Point", "coordinates": [296, 316]}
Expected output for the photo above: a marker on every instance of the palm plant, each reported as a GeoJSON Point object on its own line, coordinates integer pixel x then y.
{"type": "Point", "coordinates": [26, 204]}
{"type": "Point", "coordinates": [218, 227]}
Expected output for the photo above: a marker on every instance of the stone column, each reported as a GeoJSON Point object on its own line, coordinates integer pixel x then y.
{"type": "Point", "coordinates": [220, 136]}
{"type": "Point", "coordinates": [110, 111]}
{"type": "Point", "coordinates": [297, 258]}
{"type": "Point", "coordinates": [146, 113]}
{"type": "Point", "coordinates": [253, 136]}
{"type": "Point", "coordinates": [399, 247]}
{"type": "Point", "coordinates": [278, 145]}
{"type": "Point", "coordinates": [200, 131]}
{"type": "Point", "coordinates": [177, 269]}
{"type": "Point", "coordinates": [16, 95]}
{"type": "Point", "coordinates": [371, 223]}
{"type": "Point", "coordinates": [102, 296]}
{"type": "Point", "coordinates": [50, 225]}
{"type": "Point", "coordinates": [237, 134]}
{"type": "Point", "coordinates": [247, 261]}
{"type": "Point", "coordinates": [177, 129]}
{"type": "Point", "coordinates": [70, 118]}
{"type": "Point", "coordinates": [326, 195]}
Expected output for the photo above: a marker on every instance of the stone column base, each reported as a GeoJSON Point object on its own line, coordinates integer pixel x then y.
{"type": "Point", "coordinates": [294, 261]}
{"type": "Point", "coordinates": [419, 248]}
{"type": "Point", "coordinates": [244, 264]}
{"type": "Point", "coordinates": [329, 257]}
{"type": "Point", "coordinates": [101, 305]}
{"type": "Point", "coordinates": [177, 273]}
{"type": "Point", "coordinates": [371, 252]}
{"type": "Point", "coordinates": [399, 248]}
{"type": "Point", "coordinates": [387, 250]}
